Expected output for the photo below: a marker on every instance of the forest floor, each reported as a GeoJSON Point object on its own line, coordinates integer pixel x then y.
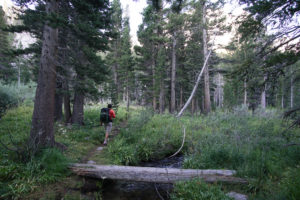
{"type": "Point", "coordinates": [97, 155]}
{"type": "Point", "coordinates": [253, 144]}
{"type": "Point", "coordinates": [73, 186]}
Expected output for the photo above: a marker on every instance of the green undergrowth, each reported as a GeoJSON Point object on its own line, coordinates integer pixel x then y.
{"type": "Point", "coordinates": [21, 173]}
{"type": "Point", "coordinates": [197, 190]}
{"type": "Point", "coordinates": [12, 95]}
{"type": "Point", "coordinates": [146, 137]}
{"type": "Point", "coordinates": [254, 144]}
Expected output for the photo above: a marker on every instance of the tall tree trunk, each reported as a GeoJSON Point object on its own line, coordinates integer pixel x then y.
{"type": "Point", "coordinates": [173, 75]}
{"type": "Point", "coordinates": [193, 106]}
{"type": "Point", "coordinates": [195, 87]}
{"type": "Point", "coordinates": [19, 77]}
{"type": "Point", "coordinates": [207, 103]}
{"type": "Point", "coordinates": [115, 71]}
{"type": "Point", "coordinates": [181, 97]}
{"type": "Point", "coordinates": [78, 112]}
{"type": "Point", "coordinates": [42, 133]}
{"type": "Point", "coordinates": [58, 101]}
{"type": "Point", "coordinates": [263, 96]}
{"type": "Point", "coordinates": [220, 97]}
{"type": "Point", "coordinates": [67, 106]}
{"type": "Point", "coordinates": [127, 95]}
{"type": "Point", "coordinates": [197, 105]}
{"type": "Point", "coordinates": [153, 82]}
{"type": "Point", "coordinates": [282, 94]}
{"type": "Point", "coordinates": [292, 92]}
{"type": "Point", "coordinates": [162, 97]}
{"type": "Point", "coordinates": [245, 92]}
{"type": "Point", "coordinates": [282, 101]}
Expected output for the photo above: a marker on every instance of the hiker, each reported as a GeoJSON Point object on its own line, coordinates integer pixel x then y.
{"type": "Point", "coordinates": [106, 116]}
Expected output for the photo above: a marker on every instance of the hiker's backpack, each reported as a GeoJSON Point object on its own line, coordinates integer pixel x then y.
{"type": "Point", "coordinates": [104, 115]}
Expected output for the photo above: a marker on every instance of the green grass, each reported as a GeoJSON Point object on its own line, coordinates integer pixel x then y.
{"type": "Point", "coordinates": [19, 177]}
{"type": "Point", "coordinates": [197, 190]}
{"type": "Point", "coordinates": [252, 144]}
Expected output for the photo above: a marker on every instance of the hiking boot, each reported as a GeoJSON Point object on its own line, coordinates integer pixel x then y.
{"type": "Point", "coordinates": [105, 142]}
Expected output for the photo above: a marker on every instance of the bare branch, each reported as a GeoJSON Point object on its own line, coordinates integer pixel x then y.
{"type": "Point", "coordinates": [181, 144]}
{"type": "Point", "coordinates": [195, 87]}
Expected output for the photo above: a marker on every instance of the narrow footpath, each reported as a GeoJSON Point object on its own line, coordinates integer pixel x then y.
{"type": "Point", "coordinates": [95, 156]}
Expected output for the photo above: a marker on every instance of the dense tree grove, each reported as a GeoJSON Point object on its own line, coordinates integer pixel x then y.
{"type": "Point", "coordinates": [5, 73]}
{"type": "Point", "coordinates": [197, 85]}
{"type": "Point", "coordinates": [84, 53]}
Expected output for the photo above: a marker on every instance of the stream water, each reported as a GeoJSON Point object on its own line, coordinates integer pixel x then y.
{"type": "Point", "coordinates": [121, 190]}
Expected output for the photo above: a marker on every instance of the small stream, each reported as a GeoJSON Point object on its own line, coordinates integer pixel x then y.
{"type": "Point", "coordinates": [121, 190]}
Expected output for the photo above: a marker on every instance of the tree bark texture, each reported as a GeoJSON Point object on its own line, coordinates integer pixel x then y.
{"type": "Point", "coordinates": [152, 174]}
{"type": "Point", "coordinates": [173, 75]}
{"type": "Point", "coordinates": [42, 133]}
{"type": "Point", "coordinates": [207, 103]}
{"type": "Point", "coordinates": [77, 117]}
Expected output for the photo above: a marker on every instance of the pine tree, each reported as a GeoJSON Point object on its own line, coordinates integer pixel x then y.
{"type": "Point", "coordinates": [113, 56]}
{"type": "Point", "coordinates": [83, 20]}
{"type": "Point", "coordinates": [6, 70]}
{"type": "Point", "coordinates": [126, 62]}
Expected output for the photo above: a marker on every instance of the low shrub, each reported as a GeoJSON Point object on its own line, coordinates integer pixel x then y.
{"type": "Point", "coordinates": [12, 95]}
{"type": "Point", "coordinates": [149, 136]}
{"type": "Point", "coordinates": [290, 183]}
{"type": "Point", "coordinates": [7, 100]}
{"type": "Point", "coordinates": [18, 178]}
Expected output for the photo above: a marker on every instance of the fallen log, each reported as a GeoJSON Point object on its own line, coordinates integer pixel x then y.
{"type": "Point", "coordinates": [152, 174]}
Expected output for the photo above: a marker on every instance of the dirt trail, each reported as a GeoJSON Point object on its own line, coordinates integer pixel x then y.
{"type": "Point", "coordinates": [99, 148]}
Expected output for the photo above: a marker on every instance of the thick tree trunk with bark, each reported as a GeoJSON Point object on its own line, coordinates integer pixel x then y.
{"type": "Point", "coordinates": [77, 117]}
{"type": "Point", "coordinates": [42, 133]}
{"type": "Point", "coordinates": [154, 175]}
{"type": "Point", "coordinates": [207, 103]}
{"type": "Point", "coordinates": [173, 75]}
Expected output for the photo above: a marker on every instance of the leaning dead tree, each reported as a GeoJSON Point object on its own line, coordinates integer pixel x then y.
{"type": "Point", "coordinates": [154, 175]}
{"type": "Point", "coordinates": [190, 99]}
{"type": "Point", "coordinates": [195, 87]}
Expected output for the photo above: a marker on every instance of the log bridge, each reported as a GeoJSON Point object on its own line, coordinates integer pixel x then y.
{"type": "Point", "coordinates": [153, 174]}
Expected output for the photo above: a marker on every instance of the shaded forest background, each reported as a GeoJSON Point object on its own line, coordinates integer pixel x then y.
{"type": "Point", "coordinates": [82, 56]}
